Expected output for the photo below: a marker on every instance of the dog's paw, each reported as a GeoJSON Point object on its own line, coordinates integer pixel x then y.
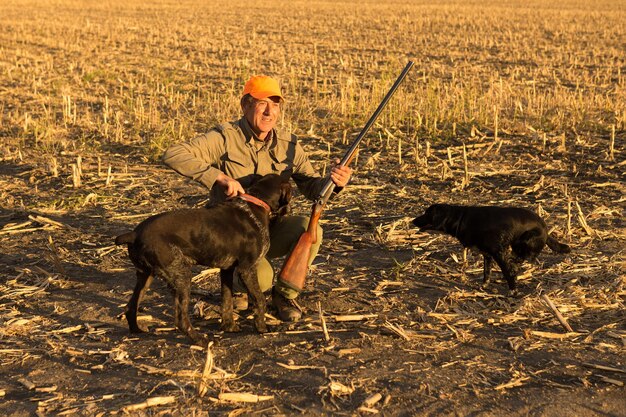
{"type": "Point", "coordinates": [199, 339]}
{"type": "Point", "coordinates": [261, 327]}
{"type": "Point", "coordinates": [137, 329]}
{"type": "Point", "coordinates": [230, 327]}
{"type": "Point", "coordinates": [514, 293]}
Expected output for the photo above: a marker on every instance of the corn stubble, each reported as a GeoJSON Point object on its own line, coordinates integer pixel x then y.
{"type": "Point", "coordinates": [523, 104]}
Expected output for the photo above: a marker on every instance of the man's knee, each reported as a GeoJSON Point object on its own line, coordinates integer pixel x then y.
{"type": "Point", "coordinates": [265, 277]}
{"type": "Point", "coordinates": [303, 223]}
{"type": "Point", "coordinates": [286, 232]}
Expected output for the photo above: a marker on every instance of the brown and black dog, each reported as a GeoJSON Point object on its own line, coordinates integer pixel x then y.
{"type": "Point", "coordinates": [228, 235]}
{"type": "Point", "coordinates": [508, 235]}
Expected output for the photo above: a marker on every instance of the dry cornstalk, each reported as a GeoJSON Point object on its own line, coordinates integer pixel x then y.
{"type": "Point", "coordinates": [611, 381]}
{"type": "Point", "coordinates": [489, 147]}
{"type": "Point", "coordinates": [45, 403]}
{"type": "Point", "coordinates": [500, 142]}
{"type": "Point", "coordinates": [45, 220]}
{"type": "Point", "coordinates": [557, 313]}
{"type": "Point", "coordinates": [495, 122]}
{"type": "Point", "coordinates": [550, 335]}
{"type": "Point", "coordinates": [283, 332]}
{"type": "Point", "coordinates": [372, 399]}
{"type": "Point", "coordinates": [204, 274]}
{"type": "Point", "coordinates": [206, 371]}
{"type": "Point", "coordinates": [612, 144]}
{"type": "Point", "coordinates": [50, 388]}
{"type": "Point", "coordinates": [340, 289]}
{"type": "Point", "coordinates": [131, 216]}
{"type": "Point", "coordinates": [348, 351]}
{"type": "Point", "coordinates": [75, 176]}
{"type": "Point", "coordinates": [417, 151]}
{"type": "Point", "coordinates": [109, 177]}
{"type": "Point", "coordinates": [150, 402]}
{"type": "Point", "coordinates": [397, 329]}
{"type": "Point", "coordinates": [354, 317]}
{"type": "Point", "coordinates": [54, 167]}
{"type": "Point", "coordinates": [444, 170]}
{"type": "Point", "coordinates": [392, 229]}
{"type": "Point", "coordinates": [569, 218]}
{"type": "Point", "coordinates": [15, 226]}
{"type": "Point", "coordinates": [55, 256]}
{"type": "Point", "coordinates": [27, 383]}
{"type": "Point", "coordinates": [538, 185]}
{"type": "Point", "coordinates": [467, 176]}
{"type": "Point", "coordinates": [67, 330]}
{"type": "Point", "coordinates": [297, 367]}
{"type": "Point", "coordinates": [582, 221]}
{"type": "Point", "coordinates": [30, 229]}
{"type": "Point", "coordinates": [364, 409]}
{"type": "Point", "coordinates": [604, 367]}
{"type": "Point", "coordinates": [516, 382]}
{"type": "Point", "coordinates": [323, 321]}
{"type": "Point", "coordinates": [243, 397]}
{"type": "Point", "coordinates": [338, 389]}
{"type": "Point", "coordinates": [79, 165]}
{"type": "Point", "coordinates": [219, 374]}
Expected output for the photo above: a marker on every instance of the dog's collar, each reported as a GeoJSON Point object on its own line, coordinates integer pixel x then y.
{"type": "Point", "coordinates": [252, 199]}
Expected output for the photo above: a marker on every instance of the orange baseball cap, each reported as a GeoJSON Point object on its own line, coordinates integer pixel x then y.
{"type": "Point", "coordinates": [262, 86]}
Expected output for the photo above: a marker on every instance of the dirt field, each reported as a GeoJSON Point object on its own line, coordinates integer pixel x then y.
{"type": "Point", "coordinates": [520, 105]}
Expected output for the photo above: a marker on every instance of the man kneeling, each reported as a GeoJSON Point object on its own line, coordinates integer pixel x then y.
{"type": "Point", "coordinates": [228, 157]}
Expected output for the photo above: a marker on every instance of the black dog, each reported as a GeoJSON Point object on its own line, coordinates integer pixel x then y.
{"type": "Point", "coordinates": [226, 235]}
{"type": "Point", "coordinates": [507, 235]}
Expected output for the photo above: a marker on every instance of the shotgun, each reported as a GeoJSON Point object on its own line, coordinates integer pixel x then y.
{"type": "Point", "coordinates": [294, 270]}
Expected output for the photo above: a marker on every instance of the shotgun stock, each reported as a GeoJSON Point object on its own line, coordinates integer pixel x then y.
{"type": "Point", "coordinates": [294, 270]}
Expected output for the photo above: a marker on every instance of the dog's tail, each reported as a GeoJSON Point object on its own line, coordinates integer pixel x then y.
{"type": "Point", "coordinates": [557, 246]}
{"type": "Point", "coordinates": [126, 238]}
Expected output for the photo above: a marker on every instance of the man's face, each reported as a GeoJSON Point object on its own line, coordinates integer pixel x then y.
{"type": "Point", "coordinates": [262, 115]}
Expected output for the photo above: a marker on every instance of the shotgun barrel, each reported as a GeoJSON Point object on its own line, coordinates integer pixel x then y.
{"type": "Point", "coordinates": [294, 270]}
{"type": "Point", "coordinates": [329, 187]}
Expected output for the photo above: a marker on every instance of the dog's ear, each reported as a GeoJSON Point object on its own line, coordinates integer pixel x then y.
{"type": "Point", "coordinates": [285, 193]}
{"type": "Point", "coordinates": [254, 178]}
{"type": "Point", "coordinates": [285, 198]}
{"type": "Point", "coordinates": [439, 214]}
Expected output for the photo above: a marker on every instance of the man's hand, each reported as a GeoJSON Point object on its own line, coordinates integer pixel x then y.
{"type": "Point", "coordinates": [340, 175]}
{"type": "Point", "coordinates": [232, 188]}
